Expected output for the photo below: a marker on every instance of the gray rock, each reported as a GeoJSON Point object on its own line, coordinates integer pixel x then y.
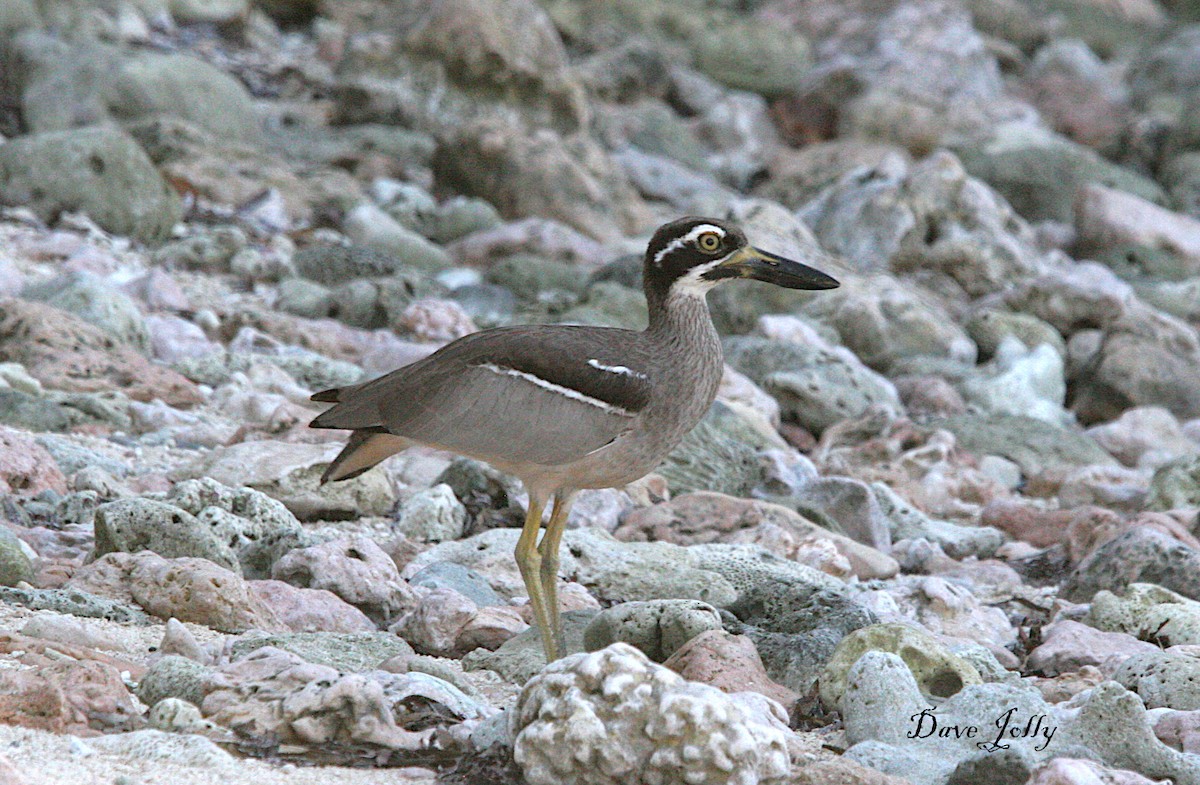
{"type": "Point", "coordinates": [528, 276]}
{"type": "Point", "coordinates": [881, 680]}
{"type": "Point", "coordinates": [1147, 358]}
{"type": "Point", "coordinates": [1163, 678]}
{"type": "Point", "coordinates": [924, 77]}
{"type": "Point", "coordinates": [94, 300]}
{"type": "Point", "coordinates": [541, 173]}
{"type": "Point", "coordinates": [99, 171]}
{"type": "Point", "coordinates": [1033, 444]}
{"type": "Point", "coordinates": [796, 628]}
{"type": "Point", "coordinates": [882, 319]}
{"type": "Point", "coordinates": [62, 412]}
{"type": "Point", "coordinates": [906, 522]}
{"type": "Point", "coordinates": [607, 304]}
{"type": "Point", "coordinates": [371, 227]}
{"type": "Point", "coordinates": [467, 582]}
{"type": "Point", "coordinates": [1114, 725]}
{"type": "Point", "coordinates": [132, 525]}
{"type": "Point", "coordinates": [1175, 485]}
{"type": "Point", "coordinates": [15, 565]}
{"type": "Point", "coordinates": [931, 217]}
{"type": "Point", "coordinates": [1020, 381]}
{"type": "Point", "coordinates": [1002, 767]}
{"type": "Point", "coordinates": [173, 677]}
{"type": "Point", "coordinates": [75, 603]}
{"type": "Point", "coordinates": [815, 387]}
{"type": "Point", "coordinates": [658, 177]}
{"type": "Point", "coordinates": [333, 263]}
{"type": "Point", "coordinates": [432, 515]}
{"type": "Point", "coordinates": [657, 627]}
{"type": "Point", "coordinates": [1149, 613]}
{"type": "Point", "coordinates": [883, 707]}
{"type": "Point", "coordinates": [347, 652]}
{"type": "Point", "coordinates": [1040, 172]}
{"type": "Point", "coordinates": [522, 656]}
{"type": "Point", "coordinates": [988, 328]}
{"type": "Point", "coordinates": [713, 456]}
{"type": "Point", "coordinates": [305, 298]}
{"type": "Point", "coordinates": [291, 472]}
{"type": "Point", "coordinates": [852, 506]}
{"type": "Point", "coordinates": [1140, 555]}
{"type": "Point", "coordinates": [456, 218]}
{"type": "Point", "coordinates": [68, 84]}
{"type": "Point", "coordinates": [256, 527]}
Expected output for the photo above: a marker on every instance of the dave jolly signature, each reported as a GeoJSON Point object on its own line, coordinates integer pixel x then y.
{"type": "Point", "coordinates": [1008, 725]}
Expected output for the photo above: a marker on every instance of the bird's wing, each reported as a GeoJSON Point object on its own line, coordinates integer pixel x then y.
{"type": "Point", "coordinates": [511, 394]}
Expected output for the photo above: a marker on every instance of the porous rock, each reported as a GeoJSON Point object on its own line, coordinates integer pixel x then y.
{"type": "Point", "coordinates": [355, 569]}
{"type": "Point", "coordinates": [613, 716]}
{"type": "Point", "coordinates": [937, 671]}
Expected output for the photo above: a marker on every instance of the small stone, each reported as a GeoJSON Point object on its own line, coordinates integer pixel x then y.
{"type": "Point", "coordinates": [658, 627]}
{"type": "Point", "coordinates": [432, 515]}
{"type": "Point", "coordinates": [355, 569]}
{"type": "Point", "coordinates": [173, 677]}
{"type": "Point", "coordinates": [728, 662]}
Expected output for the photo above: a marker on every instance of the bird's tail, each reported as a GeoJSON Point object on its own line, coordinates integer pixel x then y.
{"type": "Point", "coordinates": [367, 447]}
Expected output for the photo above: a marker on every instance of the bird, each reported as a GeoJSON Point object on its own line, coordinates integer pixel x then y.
{"type": "Point", "coordinates": [567, 407]}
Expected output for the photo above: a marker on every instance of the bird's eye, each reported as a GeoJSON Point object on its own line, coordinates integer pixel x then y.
{"type": "Point", "coordinates": [709, 241]}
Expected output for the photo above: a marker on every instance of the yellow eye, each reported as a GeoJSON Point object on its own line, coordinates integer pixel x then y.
{"type": "Point", "coordinates": [709, 241]}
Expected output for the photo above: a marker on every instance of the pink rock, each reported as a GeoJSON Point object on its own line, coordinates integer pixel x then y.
{"type": "Point", "coordinates": [173, 338]}
{"type": "Point", "coordinates": [1074, 771]}
{"type": "Point", "coordinates": [1179, 729]}
{"type": "Point", "coordinates": [64, 352]}
{"type": "Point", "coordinates": [26, 469]}
{"type": "Point", "coordinates": [80, 698]}
{"type": "Point", "coordinates": [1143, 436]}
{"type": "Point", "coordinates": [9, 773]}
{"type": "Point", "coordinates": [1068, 645]}
{"type": "Point", "coordinates": [187, 589]}
{"type": "Point", "coordinates": [159, 291]}
{"type": "Point", "coordinates": [276, 694]}
{"type": "Point", "coordinates": [310, 610]}
{"type": "Point", "coordinates": [929, 395]}
{"type": "Point", "coordinates": [490, 627]}
{"type": "Point", "coordinates": [1106, 217]}
{"type": "Point", "coordinates": [728, 662]}
{"type": "Point", "coordinates": [542, 237]}
{"type": "Point", "coordinates": [433, 626]}
{"type": "Point", "coordinates": [355, 569]}
{"type": "Point", "coordinates": [1077, 94]}
{"type": "Point", "coordinates": [1040, 527]}
{"type": "Point", "coordinates": [1065, 686]}
{"type": "Point", "coordinates": [706, 516]}
{"type": "Point", "coordinates": [431, 319]}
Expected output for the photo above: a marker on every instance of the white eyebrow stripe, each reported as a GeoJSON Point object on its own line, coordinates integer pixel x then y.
{"type": "Point", "coordinates": [621, 369]}
{"type": "Point", "coordinates": [690, 237]}
{"type": "Point", "coordinates": [567, 392]}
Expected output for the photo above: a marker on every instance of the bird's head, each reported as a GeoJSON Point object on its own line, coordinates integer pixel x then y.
{"type": "Point", "coordinates": [692, 255]}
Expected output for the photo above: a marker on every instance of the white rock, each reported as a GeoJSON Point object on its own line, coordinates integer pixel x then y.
{"type": "Point", "coordinates": [433, 515]}
{"type": "Point", "coordinates": [613, 716]}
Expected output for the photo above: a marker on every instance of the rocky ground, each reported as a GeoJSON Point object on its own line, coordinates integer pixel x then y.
{"type": "Point", "coordinates": [962, 489]}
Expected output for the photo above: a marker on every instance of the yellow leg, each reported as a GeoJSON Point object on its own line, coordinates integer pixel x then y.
{"type": "Point", "coordinates": [548, 552]}
{"type": "Point", "coordinates": [529, 562]}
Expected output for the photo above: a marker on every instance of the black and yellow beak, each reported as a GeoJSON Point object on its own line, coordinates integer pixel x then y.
{"type": "Point", "coordinates": [751, 262]}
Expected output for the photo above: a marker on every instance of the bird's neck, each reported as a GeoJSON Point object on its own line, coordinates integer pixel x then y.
{"type": "Point", "coordinates": [681, 321]}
